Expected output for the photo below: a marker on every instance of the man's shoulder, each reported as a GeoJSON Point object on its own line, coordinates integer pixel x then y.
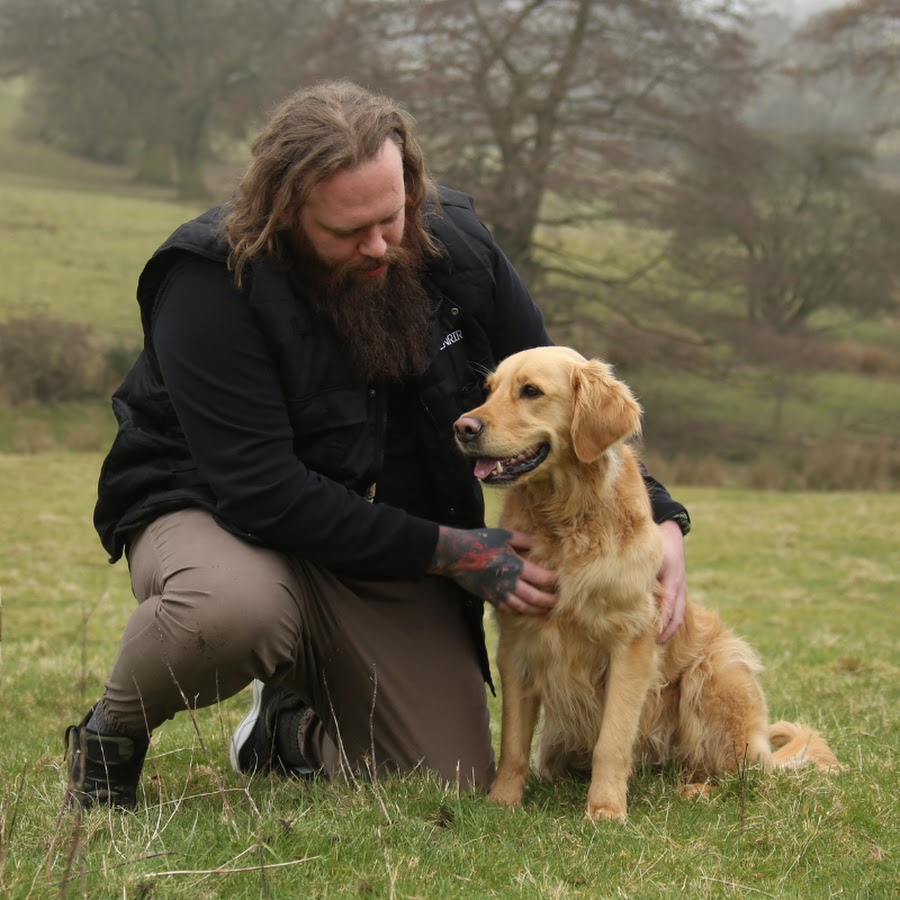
{"type": "Point", "coordinates": [453, 199]}
{"type": "Point", "coordinates": [456, 223]}
{"type": "Point", "coordinates": [203, 235]}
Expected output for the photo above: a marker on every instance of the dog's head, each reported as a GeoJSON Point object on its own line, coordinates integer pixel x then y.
{"type": "Point", "coordinates": [545, 406]}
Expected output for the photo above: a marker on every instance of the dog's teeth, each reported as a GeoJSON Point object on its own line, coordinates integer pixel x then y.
{"type": "Point", "coordinates": [499, 469]}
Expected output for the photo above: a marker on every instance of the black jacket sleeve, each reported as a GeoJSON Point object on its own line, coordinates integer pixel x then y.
{"type": "Point", "coordinates": [664, 507]}
{"type": "Point", "coordinates": [231, 408]}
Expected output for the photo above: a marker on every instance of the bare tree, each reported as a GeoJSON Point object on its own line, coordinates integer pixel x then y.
{"type": "Point", "coordinates": [539, 107]}
{"type": "Point", "coordinates": [861, 38]}
{"type": "Point", "coordinates": [864, 34]}
{"type": "Point", "coordinates": [792, 226]}
{"type": "Point", "coordinates": [547, 109]}
{"type": "Point", "coordinates": [172, 72]}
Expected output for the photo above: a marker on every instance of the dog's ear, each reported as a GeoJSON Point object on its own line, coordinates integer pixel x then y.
{"type": "Point", "coordinates": [605, 411]}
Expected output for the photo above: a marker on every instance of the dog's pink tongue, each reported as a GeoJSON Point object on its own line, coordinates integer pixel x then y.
{"type": "Point", "coordinates": [484, 467]}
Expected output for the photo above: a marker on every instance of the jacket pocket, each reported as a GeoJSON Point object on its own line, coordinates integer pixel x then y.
{"type": "Point", "coordinates": [332, 434]}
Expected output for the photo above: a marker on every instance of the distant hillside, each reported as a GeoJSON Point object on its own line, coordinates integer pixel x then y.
{"type": "Point", "coordinates": [75, 236]}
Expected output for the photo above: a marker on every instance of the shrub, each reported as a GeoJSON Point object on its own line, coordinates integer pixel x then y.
{"type": "Point", "coordinates": [34, 437]}
{"type": "Point", "coordinates": [47, 360]}
{"type": "Point", "coordinates": [119, 359]}
{"type": "Point", "coordinates": [819, 465]}
{"type": "Point", "coordinates": [866, 359]}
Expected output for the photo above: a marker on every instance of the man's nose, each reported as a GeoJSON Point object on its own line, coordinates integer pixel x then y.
{"type": "Point", "coordinates": [373, 244]}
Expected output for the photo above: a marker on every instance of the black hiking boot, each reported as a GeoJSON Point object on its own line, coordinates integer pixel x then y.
{"type": "Point", "coordinates": [255, 744]}
{"type": "Point", "coordinates": [104, 769]}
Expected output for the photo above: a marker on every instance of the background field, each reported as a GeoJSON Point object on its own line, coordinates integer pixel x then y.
{"type": "Point", "coordinates": [811, 579]}
{"type": "Point", "coordinates": [75, 236]}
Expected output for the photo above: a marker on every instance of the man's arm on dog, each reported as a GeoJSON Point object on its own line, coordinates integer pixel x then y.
{"type": "Point", "coordinates": [486, 563]}
{"type": "Point", "coordinates": [673, 579]}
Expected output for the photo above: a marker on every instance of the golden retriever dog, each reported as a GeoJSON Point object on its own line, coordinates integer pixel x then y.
{"type": "Point", "coordinates": [552, 432]}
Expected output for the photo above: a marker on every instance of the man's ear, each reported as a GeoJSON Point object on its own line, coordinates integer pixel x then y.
{"type": "Point", "coordinates": [285, 220]}
{"type": "Point", "coordinates": [605, 411]}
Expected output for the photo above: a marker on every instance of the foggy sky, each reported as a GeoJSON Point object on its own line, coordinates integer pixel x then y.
{"type": "Point", "coordinates": [803, 8]}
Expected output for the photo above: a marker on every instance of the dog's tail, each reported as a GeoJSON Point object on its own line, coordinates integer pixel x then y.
{"type": "Point", "coordinates": [799, 745]}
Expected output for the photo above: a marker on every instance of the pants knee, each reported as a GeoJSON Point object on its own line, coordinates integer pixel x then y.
{"type": "Point", "coordinates": [205, 638]}
{"type": "Point", "coordinates": [232, 613]}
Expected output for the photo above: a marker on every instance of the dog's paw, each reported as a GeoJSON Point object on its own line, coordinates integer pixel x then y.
{"type": "Point", "coordinates": [506, 795]}
{"type": "Point", "coordinates": [607, 801]}
{"type": "Point", "coordinates": [702, 790]}
{"type": "Point", "coordinates": [606, 812]}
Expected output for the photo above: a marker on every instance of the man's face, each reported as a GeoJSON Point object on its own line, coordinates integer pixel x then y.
{"type": "Point", "coordinates": [354, 218]}
{"type": "Point", "coordinates": [350, 245]}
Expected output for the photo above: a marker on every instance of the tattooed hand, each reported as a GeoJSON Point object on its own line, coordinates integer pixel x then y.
{"type": "Point", "coordinates": [484, 561]}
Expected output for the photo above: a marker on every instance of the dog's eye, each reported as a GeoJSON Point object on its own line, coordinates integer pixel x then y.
{"type": "Point", "coordinates": [530, 391]}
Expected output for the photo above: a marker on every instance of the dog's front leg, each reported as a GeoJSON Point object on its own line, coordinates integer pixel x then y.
{"type": "Point", "coordinates": [630, 674]}
{"type": "Point", "coordinates": [520, 712]}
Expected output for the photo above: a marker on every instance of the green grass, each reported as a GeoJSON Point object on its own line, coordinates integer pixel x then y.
{"type": "Point", "coordinates": [73, 426]}
{"type": "Point", "coordinates": [76, 255]}
{"type": "Point", "coordinates": [28, 163]}
{"type": "Point", "coordinates": [810, 579]}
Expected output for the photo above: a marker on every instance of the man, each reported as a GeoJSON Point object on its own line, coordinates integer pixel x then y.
{"type": "Point", "coordinates": [284, 482]}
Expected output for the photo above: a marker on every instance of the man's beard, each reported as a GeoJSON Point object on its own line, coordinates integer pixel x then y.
{"type": "Point", "coordinates": [384, 321]}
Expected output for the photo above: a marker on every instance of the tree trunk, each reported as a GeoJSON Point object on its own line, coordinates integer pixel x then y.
{"type": "Point", "coordinates": [190, 179]}
{"type": "Point", "coordinates": [155, 164]}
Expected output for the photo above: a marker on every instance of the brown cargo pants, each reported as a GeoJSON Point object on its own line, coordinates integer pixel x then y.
{"type": "Point", "coordinates": [389, 667]}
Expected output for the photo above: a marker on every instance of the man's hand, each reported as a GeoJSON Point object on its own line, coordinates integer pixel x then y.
{"type": "Point", "coordinates": [485, 562]}
{"type": "Point", "coordinates": [673, 580]}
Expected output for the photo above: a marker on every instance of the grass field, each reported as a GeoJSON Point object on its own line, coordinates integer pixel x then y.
{"type": "Point", "coordinates": [77, 255]}
{"type": "Point", "coordinates": [811, 579]}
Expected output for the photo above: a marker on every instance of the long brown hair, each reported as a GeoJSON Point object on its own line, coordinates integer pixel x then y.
{"type": "Point", "coordinates": [312, 134]}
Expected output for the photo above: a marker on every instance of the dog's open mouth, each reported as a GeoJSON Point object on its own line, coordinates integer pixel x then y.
{"type": "Point", "coordinates": [505, 471]}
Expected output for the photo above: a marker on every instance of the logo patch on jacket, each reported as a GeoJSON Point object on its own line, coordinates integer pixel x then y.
{"type": "Point", "coordinates": [452, 338]}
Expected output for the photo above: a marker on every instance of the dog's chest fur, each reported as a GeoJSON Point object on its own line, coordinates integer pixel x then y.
{"type": "Point", "coordinates": [607, 552]}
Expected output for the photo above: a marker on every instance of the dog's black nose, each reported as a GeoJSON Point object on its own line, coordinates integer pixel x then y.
{"type": "Point", "coordinates": [467, 428]}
